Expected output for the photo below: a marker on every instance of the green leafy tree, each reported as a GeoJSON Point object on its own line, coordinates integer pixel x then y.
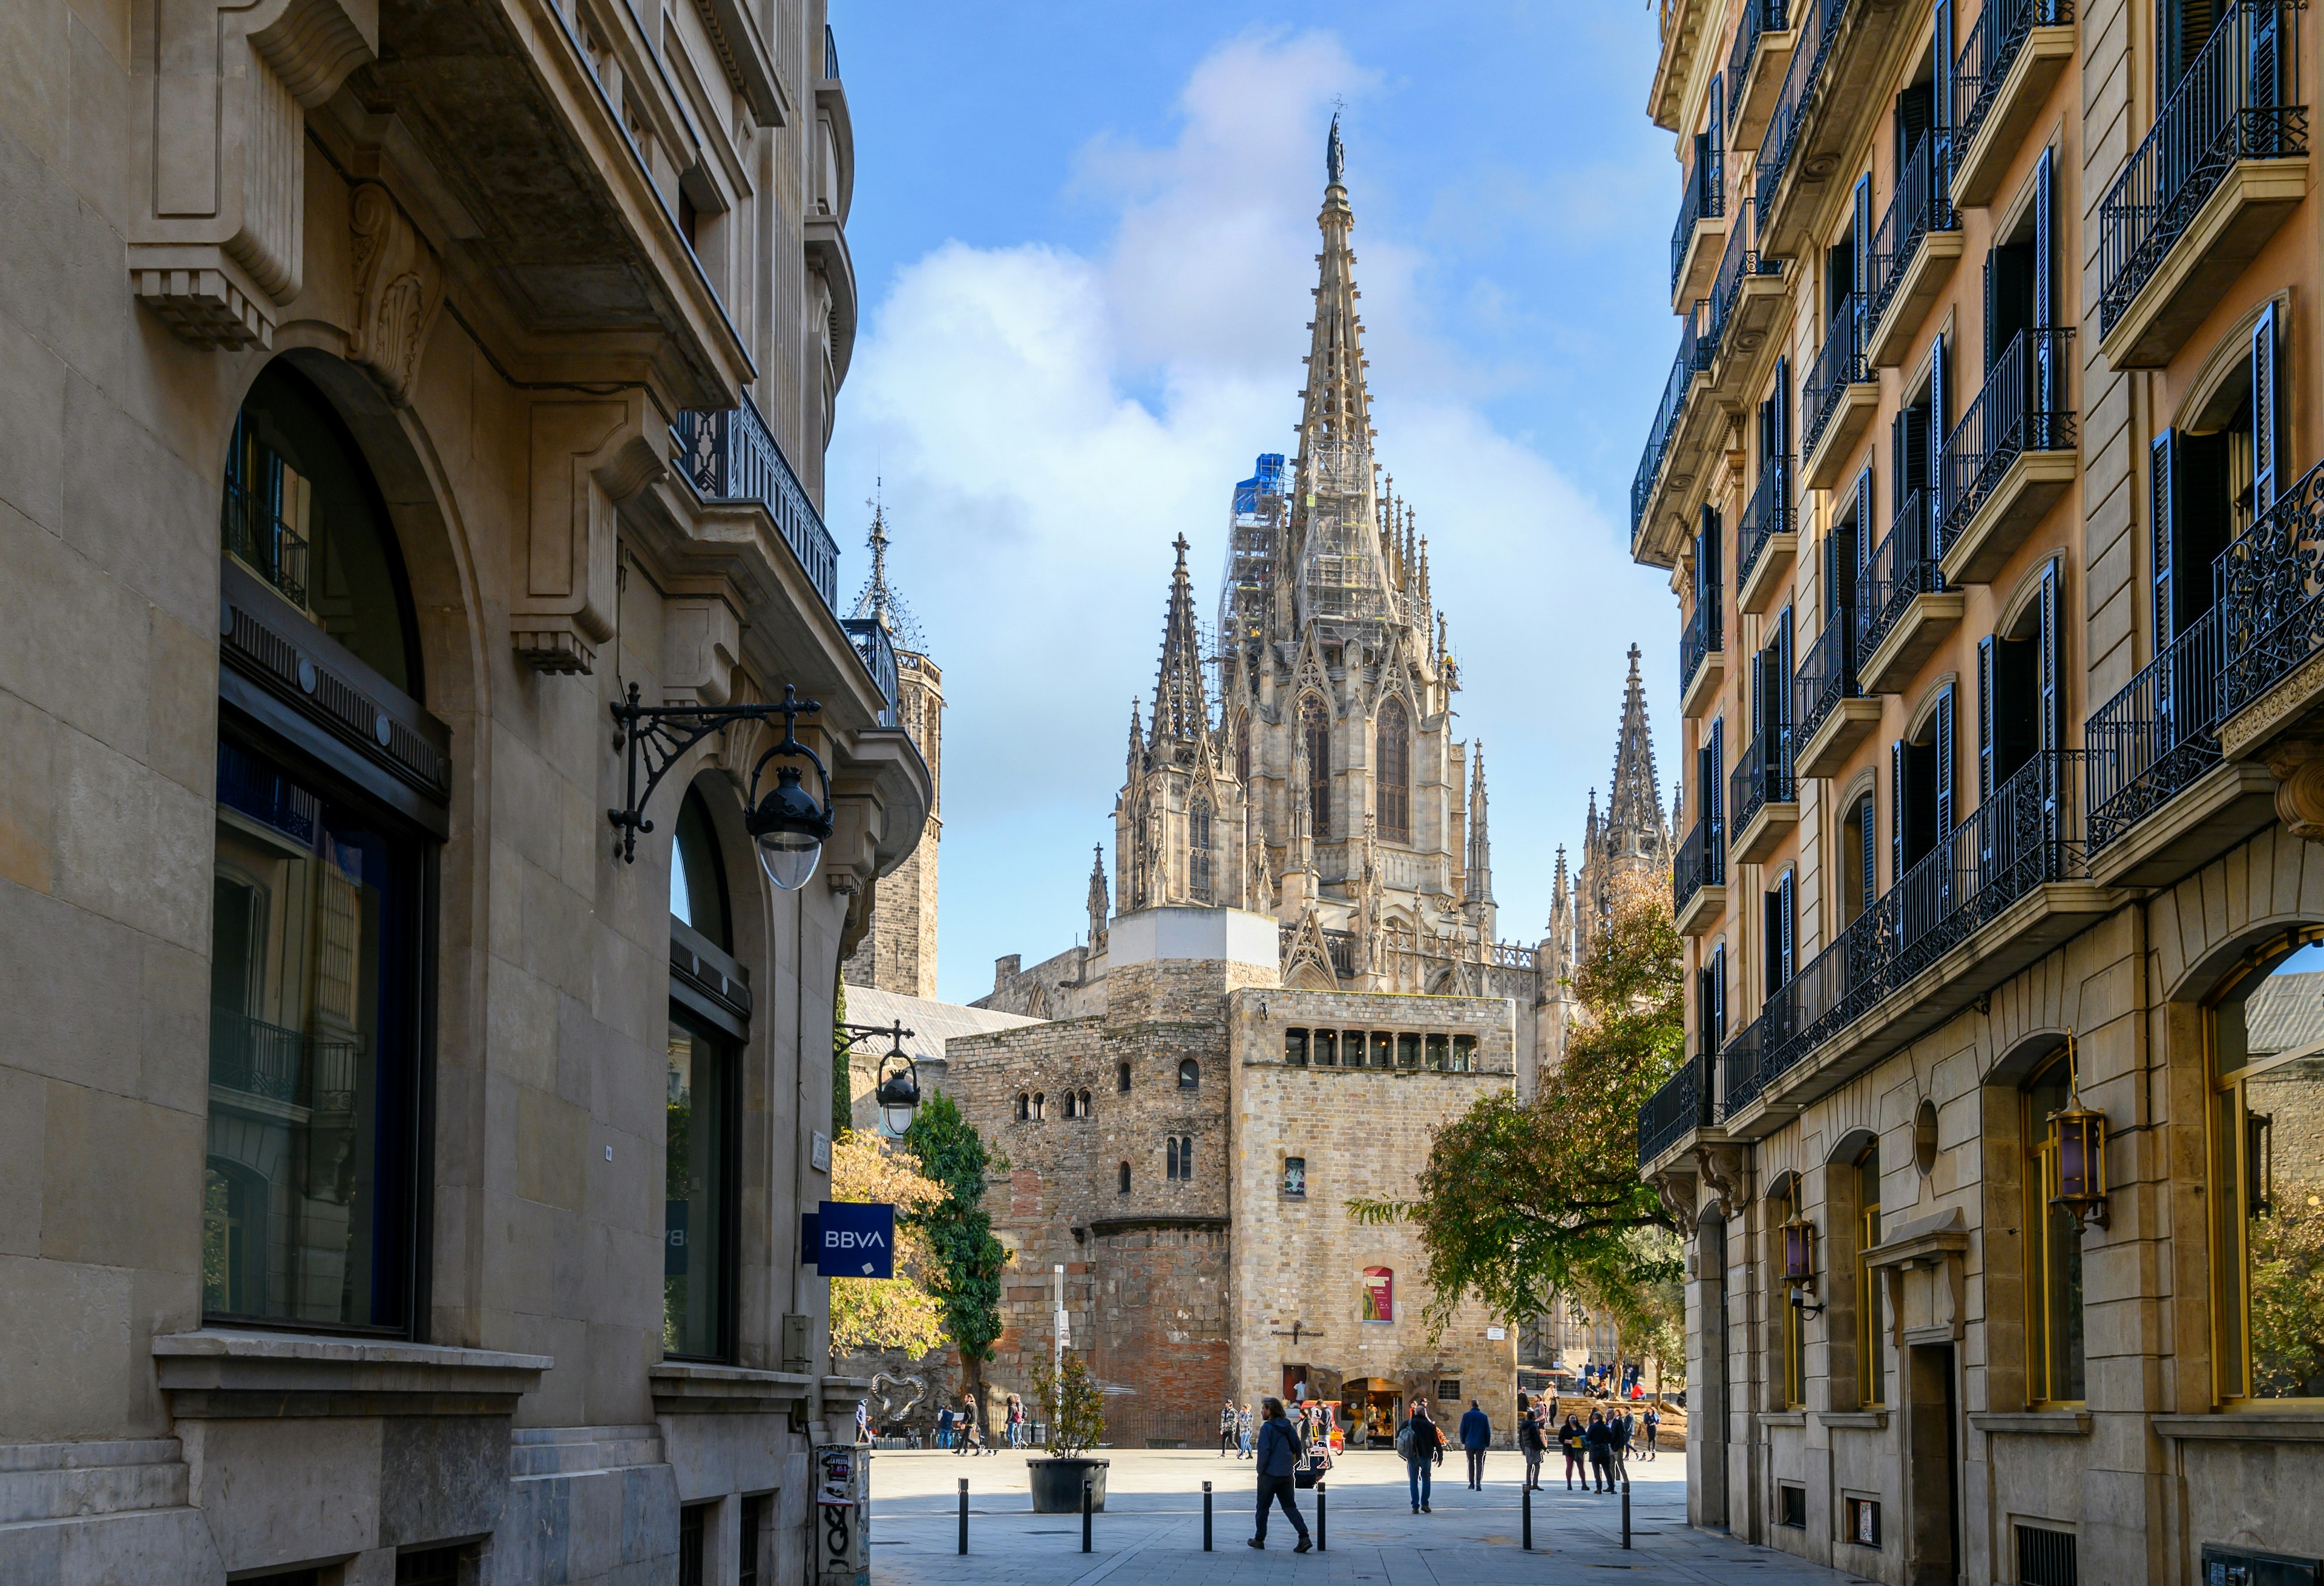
{"type": "Point", "coordinates": [1521, 1204]}
{"type": "Point", "coordinates": [965, 1275]}
{"type": "Point", "coordinates": [2287, 1295]}
{"type": "Point", "coordinates": [842, 1078]}
{"type": "Point", "coordinates": [1072, 1407]}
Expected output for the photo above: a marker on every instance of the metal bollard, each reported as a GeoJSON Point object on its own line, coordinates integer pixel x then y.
{"type": "Point", "coordinates": [1207, 1516]}
{"type": "Point", "coordinates": [1087, 1501]}
{"type": "Point", "coordinates": [1322, 1521]}
{"type": "Point", "coordinates": [963, 1514]}
{"type": "Point", "coordinates": [1626, 1512]}
{"type": "Point", "coordinates": [1528, 1519]}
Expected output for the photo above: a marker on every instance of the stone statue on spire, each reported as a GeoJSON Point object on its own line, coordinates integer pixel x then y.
{"type": "Point", "coordinates": [1335, 155]}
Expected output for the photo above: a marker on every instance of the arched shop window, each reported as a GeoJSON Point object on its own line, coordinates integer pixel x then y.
{"type": "Point", "coordinates": [2053, 1249]}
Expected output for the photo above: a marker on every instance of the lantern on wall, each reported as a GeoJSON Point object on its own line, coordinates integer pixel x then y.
{"type": "Point", "coordinates": [2077, 1152]}
{"type": "Point", "coordinates": [1799, 1252]}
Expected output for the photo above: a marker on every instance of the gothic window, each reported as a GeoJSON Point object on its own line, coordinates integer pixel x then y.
{"type": "Point", "coordinates": [1024, 1107]}
{"type": "Point", "coordinates": [1393, 782]}
{"type": "Point", "coordinates": [1121, 1079]}
{"type": "Point", "coordinates": [1084, 1104]}
{"type": "Point", "coordinates": [1315, 730]}
{"type": "Point", "coordinates": [1198, 851]}
{"type": "Point", "coordinates": [1178, 1158]}
{"type": "Point", "coordinates": [1190, 1073]}
{"type": "Point", "coordinates": [1040, 1106]}
{"type": "Point", "coordinates": [1124, 1188]}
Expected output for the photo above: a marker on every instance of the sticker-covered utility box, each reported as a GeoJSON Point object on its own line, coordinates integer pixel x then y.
{"type": "Point", "coordinates": [843, 1514]}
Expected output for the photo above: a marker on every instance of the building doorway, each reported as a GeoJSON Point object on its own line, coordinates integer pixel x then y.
{"type": "Point", "coordinates": [1933, 1460]}
{"type": "Point", "coordinates": [1370, 1407]}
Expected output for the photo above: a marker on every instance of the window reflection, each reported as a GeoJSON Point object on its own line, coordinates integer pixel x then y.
{"type": "Point", "coordinates": [2054, 1251]}
{"type": "Point", "coordinates": [696, 1203]}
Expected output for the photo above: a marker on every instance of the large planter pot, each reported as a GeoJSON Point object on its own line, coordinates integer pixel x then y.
{"type": "Point", "coordinates": [1057, 1484]}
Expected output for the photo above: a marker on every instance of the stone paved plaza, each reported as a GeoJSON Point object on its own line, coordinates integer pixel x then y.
{"type": "Point", "coordinates": [1152, 1529]}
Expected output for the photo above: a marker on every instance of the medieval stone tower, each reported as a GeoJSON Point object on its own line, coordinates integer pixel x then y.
{"type": "Point", "coordinates": [898, 952]}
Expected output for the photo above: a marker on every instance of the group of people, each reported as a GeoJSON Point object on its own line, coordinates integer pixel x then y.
{"type": "Point", "coordinates": [1605, 1442]}
{"type": "Point", "coordinates": [962, 1431]}
{"type": "Point", "coordinates": [1234, 1430]}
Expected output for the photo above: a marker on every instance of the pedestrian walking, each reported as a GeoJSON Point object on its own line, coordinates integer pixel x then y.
{"type": "Point", "coordinates": [1476, 1437]}
{"type": "Point", "coordinates": [1600, 1437]}
{"type": "Point", "coordinates": [863, 1421]}
{"type": "Point", "coordinates": [1625, 1428]}
{"type": "Point", "coordinates": [1574, 1440]}
{"type": "Point", "coordinates": [1529, 1442]}
{"type": "Point", "coordinates": [971, 1429]}
{"type": "Point", "coordinates": [1279, 1456]}
{"type": "Point", "coordinates": [1015, 1422]}
{"type": "Point", "coordinates": [1243, 1433]}
{"type": "Point", "coordinates": [1654, 1428]}
{"type": "Point", "coordinates": [1228, 1418]}
{"type": "Point", "coordinates": [944, 1426]}
{"type": "Point", "coordinates": [1417, 1443]}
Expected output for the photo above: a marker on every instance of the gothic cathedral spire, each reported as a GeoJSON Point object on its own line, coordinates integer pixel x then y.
{"type": "Point", "coordinates": [1634, 804]}
{"type": "Point", "coordinates": [1181, 711]}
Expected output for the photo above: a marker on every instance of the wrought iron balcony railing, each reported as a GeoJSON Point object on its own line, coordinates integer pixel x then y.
{"type": "Point", "coordinates": [830, 53]}
{"type": "Point", "coordinates": [2238, 101]}
{"type": "Point", "coordinates": [733, 457]}
{"type": "Point", "coordinates": [2268, 589]}
{"type": "Point", "coordinates": [1838, 363]}
{"type": "Point", "coordinates": [1825, 676]}
{"type": "Point", "coordinates": [1986, 56]}
{"type": "Point", "coordinates": [1703, 197]}
{"type": "Point", "coordinates": [1681, 1106]}
{"type": "Point", "coordinates": [877, 650]}
{"type": "Point", "coordinates": [1693, 354]}
{"type": "Point", "coordinates": [1759, 16]}
{"type": "Point", "coordinates": [1923, 203]}
{"type": "Point", "coordinates": [1823, 17]}
{"type": "Point", "coordinates": [2152, 741]}
{"type": "Point", "coordinates": [1702, 862]}
{"type": "Point", "coordinates": [1762, 775]}
{"type": "Point", "coordinates": [1700, 638]}
{"type": "Point", "coordinates": [2019, 839]}
{"type": "Point", "coordinates": [2023, 408]}
{"type": "Point", "coordinates": [252, 1058]}
{"type": "Point", "coordinates": [275, 551]}
{"type": "Point", "coordinates": [1767, 514]}
{"type": "Point", "coordinates": [1901, 566]}
{"type": "Point", "coordinates": [1740, 262]}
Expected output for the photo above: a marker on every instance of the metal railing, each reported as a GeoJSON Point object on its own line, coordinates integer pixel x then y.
{"type": "Point", "coordinates": [275, 551]}
{"type": "Point", "coordinates": [273, 1063]}
{"type": "Point", "coordinates": [1922, 203]}
{"type": "Point", "coordinates": [1759, 16]}
{"type": "Point", "coordinates": [1902, 565]}
{"type": "Point", "coordinates": [2022, 409]}
{"type": "Point", "coordinates": [1762, 775]}
{"type": "Point", "coordinates": [1767, 514]}
{"type": "Point", "coordinates": [2019, 839]}
{"type": "Point", "coordinates": [830, 53]}
{"type": "Point", "coordinates": [1702, 862]}
{"type": "Point", "coordinates": [1739, 1065]}
{"type": "Point", "coordinates": [1739, 263]}
{"type": "Point", "coordinates": [2152, 741]}
{"type": "Point", "coordinates": [1701, 637]}
{"type": "Point", "coordinates": [1838, 363]}
{"type": "Point", "coordinates": [2238, 101]}
{"type": "Point", "coordinates": [2268, 589]}
{"type": "Point", "coordinates": [1800, 83]}
{"type": "Point", "coordinates": [733, 457]}
{"type": "Point", "coordinates": [1986, 56]}
{"type": "Point", "coordinates": [1703, 197]}
{"type": "Point", "coordinates": [1825, 676]}
{"type": "Point", "coordinates": [1692, 354]}
{"type": "Point", "coordinates": [876, 649]}
{"type": "Point", "coordinates": [1681, 1106]}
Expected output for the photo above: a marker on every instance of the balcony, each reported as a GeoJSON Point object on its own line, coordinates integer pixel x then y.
{"type": "Point", "coordinates": [2164, 800]}
{"type": "Point", "coordinates": [1699, 876]}
{"type": "Point", "coordinates": [2012, 56]}
{"type": "Point", "coordinates": [2270, 594]}
{"type": "Point", "coordinates": [877, 650]}
{"type": "Point", "coordinates": [1681, 23]}
{"type": "Point", "coordinates": [280, 1071]}
{"type": "Point", "coordinates": [1830, 714]}
{"type": "Point", "coordinates": [1833, 92]}
{"type": "Point", "coordinates": [2223, 167]}
{"type": "Point", "coordinates": [1838, 397]}
{"type": "Point", "coordinates": [1763, 800]}
{"type": "Point", "coordinates": [1682, 1107]}
{"type": "Point", "coordinates": [1904, 607]}
{"type": "Point", "coordinates": [1746, 297]}
{"type": "Point", "coordinates": [730, 456]}
{"type": "Point", "coordinates": [1914, 250]}
{"type": "Point", "coordinates": [2001, 889]}
{"type": "Point", "coordinates": [1699, 232]}
{"type": "Point", "coordinates": [1700, 666]}
{"type": "Point", "coordinates": [1756, 61]}
{"type": "Point", "coordinates": [1683, 428]}
{"type": "Point", "coordinates": [1767, 539]}
{"type": "Point", "coordinates": [2010, 457]}
{"type": "Point", "coordinates": [256, 536]}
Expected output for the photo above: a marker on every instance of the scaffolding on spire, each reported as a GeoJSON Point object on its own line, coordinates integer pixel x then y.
{"type": "Point", "coordinates": [1254, 538]}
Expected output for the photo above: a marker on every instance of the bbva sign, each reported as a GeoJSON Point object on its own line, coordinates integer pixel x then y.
{"type": "Point", "coordinates": [849, 1238]}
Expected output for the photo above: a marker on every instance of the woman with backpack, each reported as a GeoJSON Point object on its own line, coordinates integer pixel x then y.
{"type": "Point", "coordinates": [1418, 1441]}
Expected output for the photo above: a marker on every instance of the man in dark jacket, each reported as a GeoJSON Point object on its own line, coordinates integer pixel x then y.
{"type": "Point", "coordinates": [1279, 1454]}
{"type": "Point", "coordinates": [1600, 1438]}
{"type": "Point", "coordinates": [1476, 1437]}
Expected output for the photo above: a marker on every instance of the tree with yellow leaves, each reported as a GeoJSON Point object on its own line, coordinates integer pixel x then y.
{"type": "Point", "coordinates": [895, 1313]}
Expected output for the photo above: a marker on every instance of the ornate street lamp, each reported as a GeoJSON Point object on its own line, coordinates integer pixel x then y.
{"type": "Point", "coordinates": [2076, 1151]}
{"type": "Point", "coordinates": [788, 827]}
{"type": "Point", "coordinates": [1799, 1263]}
{"type": "Point", "coordinates": [897, 1089]}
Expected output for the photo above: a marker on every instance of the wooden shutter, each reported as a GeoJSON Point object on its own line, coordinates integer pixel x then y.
{"type": "Point", "coordinates": [1944, 736]}
{"type": "Point", "coordinates": [2266, 441]}
{"type": "Point", "coordinates": [1783, 700]}
{"type": "Point", "coordinates": [1782, 397]}
{"type": "Point", "coordinates": [2262, 61]}
{"type": "Point", "coordinates": [1714, 798]}
{"type": "Point", "coordinates": [1984, 707]}
{"type": "Point", "coordinates": [2052, 661]}
{"type": "Point", "coordinates": [1896, 812]}
{"type": "Point", "coordinates": [1939, 433]}
{"type": "Point", "coordinates": [1784, 911]}
{"type": "Point", "coordinates": [1942, 99]}
{"type": "Point", "coordinates": [1714, 581]}
{"type": "Point", "coordinates": [1865, 537]}
{"type": "Point", "coordinates": [1867, 833]}
{"type": "Point", "coordinates": [1716, 133]}
{"type": "Point", "coordinates": [2160, 460]}
{"type": "Point", "coordinates": [1989, 349]}
{"type": "Point", "coordinates": [1757, 725]}
{"type": "Point", "coordinates": [2045, 187]}
{"type": "Point", "coordinates": [1718, 989]}
{"type": "Point", "coordinates": [1861, 231]}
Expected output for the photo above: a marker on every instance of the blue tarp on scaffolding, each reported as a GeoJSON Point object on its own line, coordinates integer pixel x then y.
{"type": "Point", "coordinates": [1267, 480]}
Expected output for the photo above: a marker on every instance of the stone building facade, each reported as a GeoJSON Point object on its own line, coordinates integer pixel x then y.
{"type": "Point", "coordinates": [399, 1169]}
{"type": "Point", "coordinates": [1985, 477]}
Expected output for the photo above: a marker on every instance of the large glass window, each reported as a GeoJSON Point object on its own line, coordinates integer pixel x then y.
{"type": "Point", "coordinates": [2267, 1169]}
{"type": "Point", "coordinates": [2054, 1251]}
{"type": "Point", "coordinates": [1871, 1303]}
{"type": "Point", "coordinates": [698, 1204]}
{"type": "Point", "coordinates": [698, 886]}
{"type": "Point", "coordinates": [309, 1183]}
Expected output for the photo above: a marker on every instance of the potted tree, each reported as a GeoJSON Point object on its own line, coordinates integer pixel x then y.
{"type": "Point", "coordinates": [1074, 1409]}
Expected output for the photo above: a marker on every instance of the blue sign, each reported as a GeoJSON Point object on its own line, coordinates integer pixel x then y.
{"type": "Point", "coordinates": [850, 1239]}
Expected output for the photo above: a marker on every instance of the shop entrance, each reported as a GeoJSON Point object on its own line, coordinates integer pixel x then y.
{"type": "Point", "coordinates": [1934, 1454]}
{"type": "Point", "coordinates": [1369, 1410]}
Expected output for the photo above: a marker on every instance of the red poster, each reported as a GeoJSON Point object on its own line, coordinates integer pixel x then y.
{"type": "Point", "coordinates": [1380, 1295]}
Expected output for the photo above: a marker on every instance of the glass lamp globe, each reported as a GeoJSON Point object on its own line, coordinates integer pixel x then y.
{"type": "Point", "coordinates": [789, 827]}
{"type": "Point", "coordinates": [899, 1097]}
{"type": "Point", "coordinates": [789, 858]}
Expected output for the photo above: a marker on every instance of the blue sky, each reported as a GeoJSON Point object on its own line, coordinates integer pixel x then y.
{"type": "Point", "coordinates": [1085, 237]}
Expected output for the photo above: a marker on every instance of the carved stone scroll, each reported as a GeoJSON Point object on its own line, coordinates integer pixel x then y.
{"type": "Point", "coordinates": [588, 456]}
{"type": "Point", "coordinates": [399, 286]}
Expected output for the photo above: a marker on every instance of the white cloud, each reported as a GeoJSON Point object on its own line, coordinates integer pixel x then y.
{"type": "Point", "coordinates": [1033, 491]}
